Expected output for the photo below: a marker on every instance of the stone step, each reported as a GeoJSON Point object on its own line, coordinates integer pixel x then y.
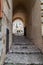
{"type": "Point", "coordinates": [26, 49]}
{"type": "Point", "coordinates": [22, 42]}
{"type": "Point", "coordinates": [19, 64]}
{"type": "Point", "coordinates": [23, 46]}
{"type": "Point", "coordinates": [23, 52]}
{"type": "Point", "coordinates": [25, 59]}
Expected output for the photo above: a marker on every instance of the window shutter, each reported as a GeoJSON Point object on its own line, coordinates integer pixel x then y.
{"type": "Point", "coordinates": [0, 8]}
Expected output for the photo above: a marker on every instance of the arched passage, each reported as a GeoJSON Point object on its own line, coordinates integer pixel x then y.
{"type": "Point", "coordinates": [32, 18]}
{"type": "Point", "coordinates": [18, 27]}
{"type": "Point", "coordinates": [20, 20]}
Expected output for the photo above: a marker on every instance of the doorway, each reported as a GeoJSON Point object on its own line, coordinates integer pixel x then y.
{"type": "Point", "coordinates": [18, 27]}
{"type": "Point", "coordinates": [7, 40]}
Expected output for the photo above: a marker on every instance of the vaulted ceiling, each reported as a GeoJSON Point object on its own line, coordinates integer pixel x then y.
{"type": "Point", "coordinates": [23, 5]}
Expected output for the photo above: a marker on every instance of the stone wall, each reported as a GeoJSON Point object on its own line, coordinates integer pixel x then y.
{"type": "Point", "coordinates": [42, 22]}
{"type": "Point", "coordinates": [6, 24]}
{"type": "Point", "coordinates": [34, 25]}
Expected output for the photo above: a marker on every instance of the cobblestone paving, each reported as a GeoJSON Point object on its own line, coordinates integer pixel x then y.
{"type": "Point", "coordinates": [23, 52]}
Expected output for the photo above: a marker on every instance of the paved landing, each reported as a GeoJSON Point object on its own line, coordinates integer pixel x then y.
{"type": "Point", "coordinates": [25, 59]}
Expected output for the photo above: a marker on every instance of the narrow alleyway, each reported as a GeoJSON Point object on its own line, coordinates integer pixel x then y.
{"type": "Point", "coordinates": [23, 18]}
{"type": "Point", "coordinates": [23, 52]}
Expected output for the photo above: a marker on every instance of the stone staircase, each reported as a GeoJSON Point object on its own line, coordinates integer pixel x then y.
{"type": "Point", "coordinates": [23, 52]}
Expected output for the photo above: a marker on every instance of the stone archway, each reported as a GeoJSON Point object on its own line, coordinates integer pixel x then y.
{"type": "Point", "coordinates": [18, 27]}
{"type": "Point", "coordinates": [22, 17]}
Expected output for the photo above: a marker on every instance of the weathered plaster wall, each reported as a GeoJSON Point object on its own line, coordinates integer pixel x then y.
{"type": "Point", "coordinates": [6, 23]}
{"type": "Point", "coordinates": [34, 25]}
